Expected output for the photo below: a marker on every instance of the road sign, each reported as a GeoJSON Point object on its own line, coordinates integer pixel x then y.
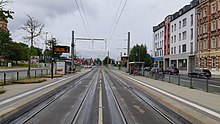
{"type": "Point", "coordinates": [62, 49]}
{"type": "Point", "coordinates": [124, 58]}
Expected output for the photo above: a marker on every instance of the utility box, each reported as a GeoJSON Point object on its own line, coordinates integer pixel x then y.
{"type": "Point", "coordinates": [63, 66]}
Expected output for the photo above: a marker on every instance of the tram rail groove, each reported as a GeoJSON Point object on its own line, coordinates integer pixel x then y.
{"type": "Point", "coordinates": [42, 104]}
{"type": "Point", "coordinates": [84, 100]}
{"type": "Point", "coordinates": [158, 107]}
{"type": "Point", "coordinates": [114, 97]}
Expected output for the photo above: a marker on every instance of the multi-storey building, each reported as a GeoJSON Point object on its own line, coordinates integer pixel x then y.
{"type": "Point", "coordinates": [179, 38]}
{"type": "Point", "coordinates": [183, 38]}
{"type": "Point", "coordinates": [208, 34]}
{"type": "Point", "coordinates": [158, 44]}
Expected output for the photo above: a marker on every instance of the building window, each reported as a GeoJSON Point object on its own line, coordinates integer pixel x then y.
{"type": "Point", "coordinates": [213, 62]}
{"type": "Point", "coordinates": [191, 47]}
{"type": "Point", "coordinates": [205, 28]}
{"type": "Point", "coordinates": [179, 36]}
{"type": "Point", "coordinates": [218, 4]}
{"type": "Point", "coordinates": [184, 48]}
{"type": "Point", "coordinates": [184, 22]}
{"type": "Point", "coordinates": [213, 8]}
{"type": "Point", "coordinates": [219, 22]}
{"type": "Point", "coordinates": [213, 28]}
{"type": "Point", "coordinates": [174, 38]}
{"type": "Point", "coordinates": [179, 48]}
{"type": "Point", "coordinates": [174, 50]}
{"type": "Point", "coordinates": [162, 42]}
{"type": "Point", "coordinates": [213, 42]}
{"type": "Point", "coordinates": [162, 33]}
{"type": "Point", "coordinates": [172, 28]}
{"type": "Point", "coordinates": [179, 24]}
{"type": "Point", "coordinates": [200, 30]}
{"type": "Point", "coordinates": [205, 62]}
{"type": "Point", "coordinates": [192, 20]}
{"type": "Point", "coordinates": [184, 35]}
{"type": "Point", "coordinates": [191, 35]}
{"type": "Point", "coordinates": [205, 12]}
{"type": "Point", "coordinates": [205, 44]}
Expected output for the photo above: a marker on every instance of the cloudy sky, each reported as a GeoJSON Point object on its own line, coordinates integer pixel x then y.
{"type": "Point", "coordinates": [60, 17]}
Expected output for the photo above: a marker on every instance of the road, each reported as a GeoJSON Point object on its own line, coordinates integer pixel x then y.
{"type": "Point", "coordinates": [99, 97]}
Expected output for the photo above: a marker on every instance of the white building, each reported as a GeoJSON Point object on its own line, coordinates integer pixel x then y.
{"type": "Point", "coordinates": [158, 45]}
{"type": "Point", "coordinates": [183, 38]}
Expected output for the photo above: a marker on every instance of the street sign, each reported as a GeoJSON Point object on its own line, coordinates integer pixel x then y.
{"type": "Point", "coordinates": [62, 49]}
{"type": "Point", "coordinates": [124, 58]}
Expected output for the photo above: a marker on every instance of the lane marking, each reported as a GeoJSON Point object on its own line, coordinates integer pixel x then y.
{"type": "Point", "coordinates": [35, 90]}
{"type": "Point", "coordinates": [178, 98]}
{"type": "Point", "coordinates": [100, 121]}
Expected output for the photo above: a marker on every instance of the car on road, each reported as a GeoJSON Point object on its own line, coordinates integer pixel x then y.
{"type": "Point", "coordinates": [171, 71]}
{"type": "Point", "coordinates": [156, 70]}
{"type": "Point", "coordinates": [200, 73]}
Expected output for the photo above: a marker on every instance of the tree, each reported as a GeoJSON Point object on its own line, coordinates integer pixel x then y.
{"type": "Point", "coordinates": [139, 54]}
{"type": "Point", "coordinates": [33, 28]}
{"type": "Point", "coordinates": [105, 61]}
{"type": "Point", "coordinates": [4, 3]}
{"type": "Point", "coordinates": [50, 43]}
{"type": "Point", "coordinates": [98, 61]}
{"type": "Point", "coordinates": [17, 52]}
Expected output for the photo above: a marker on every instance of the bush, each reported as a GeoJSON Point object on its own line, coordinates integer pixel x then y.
{"type": "Point", "coordinates": [2, 90]}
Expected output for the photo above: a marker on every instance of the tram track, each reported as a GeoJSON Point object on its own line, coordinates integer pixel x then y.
{"type": "Point", "coordinates": [167, 114]}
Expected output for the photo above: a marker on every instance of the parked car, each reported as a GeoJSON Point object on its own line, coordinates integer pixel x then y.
{"type": "Point", "coordinates": [171, 71]}
{"type": "Point", "coordinates": [200, 73]}
{"type": "Point", "coordinates": [148, 69]}
{"type": "Point", "coordinates": [156, 70]}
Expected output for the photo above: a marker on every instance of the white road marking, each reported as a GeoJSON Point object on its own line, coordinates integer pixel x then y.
{"type": "Point", "coordinates": [35, 90]}
{"type": "Point", "coordinates": [178, 98]}
{"type": "Point", "coordinates": [100, 121]}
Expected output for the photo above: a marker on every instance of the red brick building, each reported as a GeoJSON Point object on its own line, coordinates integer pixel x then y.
{"type": "Point", "coordinates": [208, 34]}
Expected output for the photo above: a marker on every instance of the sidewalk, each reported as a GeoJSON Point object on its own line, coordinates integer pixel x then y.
{"type": "Point", "coordinates": [196, 106]}
{"type": "Point", "coordinates": [13, 101]}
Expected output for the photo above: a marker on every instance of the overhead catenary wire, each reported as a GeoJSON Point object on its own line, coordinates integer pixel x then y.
{"type": "Point", "coordinates": [117, 18]}
{"type": "Point", "coordinates": [83, 15]}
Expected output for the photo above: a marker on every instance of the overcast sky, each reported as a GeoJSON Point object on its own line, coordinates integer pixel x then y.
{"type": "Point", "coordinates": [60, 17]}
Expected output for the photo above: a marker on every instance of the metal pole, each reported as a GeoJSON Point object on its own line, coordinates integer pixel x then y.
{"type": "Point", "coordinates": [199, 52]}
{"type": "Point", "coordinates": [178, 79]}
{"type": "Point", "coordinates": [128, 52]}
{"type": "Point", "coordinates": [108, 59]}
{"type": "Point", "coordinates": [207, 84]}
{"type": "Point", "coordinates": [52, 61]}
{"type": "Point", "coordinates": [72, 52]}
{"type": "Point", "coordinates": [4, 78]}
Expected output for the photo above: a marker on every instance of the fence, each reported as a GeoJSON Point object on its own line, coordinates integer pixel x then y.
{"type": "Point", "coordinates": [11, 75]}
{"type": "Point", "coordinates": [204, 84]}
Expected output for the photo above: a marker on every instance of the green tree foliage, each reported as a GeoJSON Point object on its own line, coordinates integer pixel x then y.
{"type": "Point", "coordinates": [98, 61]}
{"type": "Point", "coordinates": [48, 51]}
{"type": "Point", "coordinates": [139, 53]}
{"type": "Point", "coordinates": [105, 61]}
{"type": "Point", "coordinates": [4, 41]}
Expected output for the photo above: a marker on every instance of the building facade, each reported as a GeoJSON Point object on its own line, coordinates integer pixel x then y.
{"type": "Point", "coordinates": [208, 35]}
{"type": "Point", "coordinates": [158, 45]}
{"type": "Point", "coordinates": [179, 39]}
{"type": "Point", "coordinates": [183, 38]}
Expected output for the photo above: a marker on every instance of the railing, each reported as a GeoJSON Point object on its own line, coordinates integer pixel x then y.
{"type": "Point", "coordinates": [9, 76]}
{"type": "Point", "coordinates": [204, 84]}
